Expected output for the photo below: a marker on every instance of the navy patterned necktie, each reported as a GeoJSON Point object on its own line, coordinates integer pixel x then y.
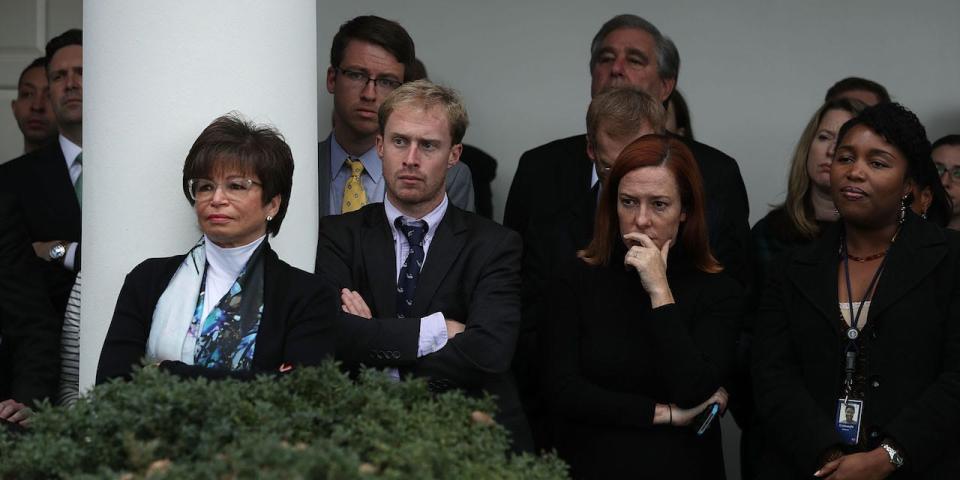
{"type": "Point", "coordinates": [410, 271]}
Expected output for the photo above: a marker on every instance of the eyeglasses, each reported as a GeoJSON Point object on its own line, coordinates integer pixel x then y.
{"type": "Point", "coordinates": [361, 79]}
{"type": "Point", "coordinates": [202, 189]}
{"type": "Point", "coordinates": [954, 172]}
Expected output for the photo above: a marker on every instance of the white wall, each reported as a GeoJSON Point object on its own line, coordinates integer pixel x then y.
{"type": "Point", "coordinates": [156, 75]}
{"type": "Point", "coordinates": [753, 71]}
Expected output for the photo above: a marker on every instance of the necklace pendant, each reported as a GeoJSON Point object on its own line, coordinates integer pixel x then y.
{"type": "Point", "coordinates": [852, 333]}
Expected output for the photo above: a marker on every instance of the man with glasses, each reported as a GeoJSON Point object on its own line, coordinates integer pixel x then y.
{"type": "Point", "coordinates": [370, 57]}
{"type": "Point", "coordinates": [946, 156]}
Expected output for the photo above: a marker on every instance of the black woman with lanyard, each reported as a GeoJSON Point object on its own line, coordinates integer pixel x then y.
{"type": "Point", "coordinates": [857, 355]}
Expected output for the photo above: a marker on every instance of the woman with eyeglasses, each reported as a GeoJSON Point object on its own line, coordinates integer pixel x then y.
{"type": "Point", "coordinates": [867, 318]}
{"type": "Point", "coordinates": [229, 306]}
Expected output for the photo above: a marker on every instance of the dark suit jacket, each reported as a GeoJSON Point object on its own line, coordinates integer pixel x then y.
{"type": "Point", "coordinates": [471, 274]}
{"type": "Point", "coordinates": [550, 244]}
{"type": "Point", "coordinates": [41, 182]}
{"type": "Point", "coordinates": [301, 322]}
{"type": "Point", "coordinates": [912, 335]}
{"type": "Point", "coordinates": [609, 358]}
{"type": "Point", "coordinates": [29, 329]}
{"type": "Point", "coordinates": [552, 176]}
{"type": "Point", "coordinates": [483, 169]}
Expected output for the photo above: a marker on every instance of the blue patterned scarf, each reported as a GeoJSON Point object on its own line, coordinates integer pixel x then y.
{"type": "Point", "coordinates": [228, 335]}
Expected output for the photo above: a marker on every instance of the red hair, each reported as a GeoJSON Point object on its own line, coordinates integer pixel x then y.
{"type": "Point", "coordinates": [655, 151]}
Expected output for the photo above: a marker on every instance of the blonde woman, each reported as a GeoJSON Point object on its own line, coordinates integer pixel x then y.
{"type": "Point", "coordinates": [808, 205]}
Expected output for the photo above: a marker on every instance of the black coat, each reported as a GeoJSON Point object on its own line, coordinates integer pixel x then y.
{"type": "Point", "coordinates": [471, 274]}
{"type": "Point", "coordinates": [913, 371]}
{"type": "Point", "coordinates": [29, 329]}
{"type": "Point", "coordinates": [301, 324]}
{"type": "Point", "coordinates": [548, 246]}
{"type": "Point", "coordinates": [483, 169]}
{"type": "Point", "coordinates": [609, 358]}
{"type": "Point", "coordinates": [49, 208]}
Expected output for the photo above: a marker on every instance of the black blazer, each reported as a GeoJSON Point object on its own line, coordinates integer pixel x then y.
{"type": "Point", "coordinates": [608, 358]}
{"type": "Point", "coordinates": [548, 246]}
{"type": "Point", "coordinates": [301, 322]}
{"type": "Point", "coordinates": [912, 334]}
{"type": "Point", "coordinates": [471, 274]}
{"type": "Point", "coordinates": [551, 177]}
{"type": "Point", "coordinates": [29, 329]}
{"type": "Point", "coordinates": [41, 182]}
{"type": "Point", "coordinates": [483, 169]}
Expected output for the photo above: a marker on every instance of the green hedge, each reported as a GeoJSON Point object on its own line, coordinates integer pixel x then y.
{"type": "Point", "coordinates": [312, 423]}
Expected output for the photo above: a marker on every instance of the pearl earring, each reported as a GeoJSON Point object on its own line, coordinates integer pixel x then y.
{"type": "Point", "coordinates": [269, 217]}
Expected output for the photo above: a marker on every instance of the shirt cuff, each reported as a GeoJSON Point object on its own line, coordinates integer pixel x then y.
{"type": "Point", "coordinates": [433, 334]}
{"type": "Point", "coordinates": [69, 257]}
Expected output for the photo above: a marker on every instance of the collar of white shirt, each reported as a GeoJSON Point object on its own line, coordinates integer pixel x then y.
{"type": "Point", "coordinates": [433, 218]}
{"type": "Point", "coordinates": [70, 151]}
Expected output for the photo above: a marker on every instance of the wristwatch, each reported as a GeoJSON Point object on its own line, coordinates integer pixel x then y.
{"type": "Point", "coordinates": [895, 457]}
{"type": "Point", "coordinates": [57, 251]}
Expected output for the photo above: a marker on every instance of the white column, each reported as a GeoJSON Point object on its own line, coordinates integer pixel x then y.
{"type": "Point", "coordinates": [157, 73]}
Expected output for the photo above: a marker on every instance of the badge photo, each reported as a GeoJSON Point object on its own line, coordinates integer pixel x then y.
{"type": "Point", "coordinates": [848, 420]}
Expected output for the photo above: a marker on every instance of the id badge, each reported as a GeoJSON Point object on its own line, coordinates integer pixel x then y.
{"type": "Point", "coordinates": [849, 413]}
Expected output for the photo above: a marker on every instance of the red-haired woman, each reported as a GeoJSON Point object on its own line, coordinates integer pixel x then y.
{"type": "Point", "coordinates": [643, 327]}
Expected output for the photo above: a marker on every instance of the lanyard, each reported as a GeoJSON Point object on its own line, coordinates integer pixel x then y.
{"type": "Point", "coordinates": [850, 364]}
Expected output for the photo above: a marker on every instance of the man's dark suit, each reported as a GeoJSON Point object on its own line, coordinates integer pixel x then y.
{"type": "Point", "coordinates": [471, 274]}
{"type": "Point", "coordinates": [552, 176]}
{"type": "Point", "coordinates": [41, 182]}
{"type": "Point", "coordinates": [29, 329]}
{"type": "Point", "coordinates": [549, 244]}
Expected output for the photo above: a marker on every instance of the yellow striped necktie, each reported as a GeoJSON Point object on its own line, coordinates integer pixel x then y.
{"type": "Point", "coordinates": [354, 196]}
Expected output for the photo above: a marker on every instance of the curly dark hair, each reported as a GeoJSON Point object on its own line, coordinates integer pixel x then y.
{"type": "Point", "coordinates": [901, 128]}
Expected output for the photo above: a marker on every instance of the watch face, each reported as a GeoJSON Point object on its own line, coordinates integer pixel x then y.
{"type": "Point", "coordinates": [58, 251]}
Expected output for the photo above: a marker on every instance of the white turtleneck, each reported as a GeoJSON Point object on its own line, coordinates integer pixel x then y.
{"type": "Point", "coordinates": [224, 266]}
